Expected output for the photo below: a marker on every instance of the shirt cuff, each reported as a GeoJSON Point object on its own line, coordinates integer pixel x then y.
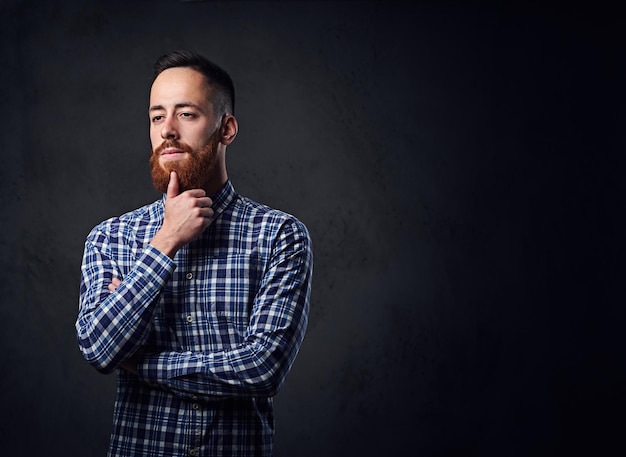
{"type": "Point", "coordinates": [161, 368]}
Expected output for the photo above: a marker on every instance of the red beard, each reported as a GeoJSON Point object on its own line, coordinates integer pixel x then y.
{"type": "Point", "coordinates": [194, 171]}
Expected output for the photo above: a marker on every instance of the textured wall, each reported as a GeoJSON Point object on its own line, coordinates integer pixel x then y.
{"type": "Point", "coordinates": [459, 168]}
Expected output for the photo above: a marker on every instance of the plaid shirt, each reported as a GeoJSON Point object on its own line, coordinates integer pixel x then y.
{"type": "Point", "coordinates": [215, 330]}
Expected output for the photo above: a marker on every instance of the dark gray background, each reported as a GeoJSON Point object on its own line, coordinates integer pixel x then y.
{"type": "Point", "coordinates": [459, 168]}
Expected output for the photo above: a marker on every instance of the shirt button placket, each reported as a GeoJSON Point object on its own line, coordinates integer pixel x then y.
{"type": "Point", "coordinates": [195, 406]}
{"type": "Point", "coordinates": [194, 451]}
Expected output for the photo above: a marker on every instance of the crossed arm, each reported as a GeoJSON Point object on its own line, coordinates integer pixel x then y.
{"type": "Point", "coordinates": [113, 327]}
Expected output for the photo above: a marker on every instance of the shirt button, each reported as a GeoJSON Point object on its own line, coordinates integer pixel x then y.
{"type": "Point", "coordinates": [189, 275]}
{"type": "Point", "coordinates": [192, 452]}
{"type": "Point", "coordinates": [195, 406]}
{"type": "Point", "coordinates": [190, 318]}
{"type": "Point", "coordinates": [194, 397]}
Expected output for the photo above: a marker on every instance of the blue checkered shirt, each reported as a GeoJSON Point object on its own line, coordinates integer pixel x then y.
{"type": "Point", "coordinates": [215, 330]}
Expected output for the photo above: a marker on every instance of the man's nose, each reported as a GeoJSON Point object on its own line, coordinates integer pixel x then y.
{"type": "Point", "coordinates": [168, 130]}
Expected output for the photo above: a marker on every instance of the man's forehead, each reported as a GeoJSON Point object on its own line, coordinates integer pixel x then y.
{"type": "Point", "coordinates": [178, 85]}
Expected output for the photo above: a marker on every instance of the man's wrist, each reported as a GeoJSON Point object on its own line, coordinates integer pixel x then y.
{"type": "Point", "coordinates": [165, 244]}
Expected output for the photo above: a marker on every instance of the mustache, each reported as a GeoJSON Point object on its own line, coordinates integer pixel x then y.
{"type": "Point", "coordinates": [172, 144]}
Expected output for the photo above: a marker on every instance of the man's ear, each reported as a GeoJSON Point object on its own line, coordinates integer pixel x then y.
{"type": "Point", "coordinates": [228, 130]}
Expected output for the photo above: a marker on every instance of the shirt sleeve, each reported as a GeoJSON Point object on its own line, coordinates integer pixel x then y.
{"type": "Point", "coordinates": [112, 326]}
{"type": "Point", "coordinates": [278, 321]}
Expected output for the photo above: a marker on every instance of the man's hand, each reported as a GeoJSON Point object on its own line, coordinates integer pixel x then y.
{"type": "Point", "coordinates": [187, 215]}
{"type": "Point", "coordinates": [114, 284]}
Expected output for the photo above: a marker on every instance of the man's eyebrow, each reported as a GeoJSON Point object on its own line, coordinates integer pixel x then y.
{"type": "Point", "coordinates": [178, 105]}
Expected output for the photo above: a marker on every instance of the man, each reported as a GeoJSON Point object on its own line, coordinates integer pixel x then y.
{"type": "Point", "coordinates": [200, 299]}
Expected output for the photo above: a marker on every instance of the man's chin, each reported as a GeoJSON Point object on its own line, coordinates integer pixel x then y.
{"type": "Point", "coordinates": [161, 174]}
{"type": "Point", "coordinates": [172, 164]}
{"type": "Point", "coordinates": [193, 170]}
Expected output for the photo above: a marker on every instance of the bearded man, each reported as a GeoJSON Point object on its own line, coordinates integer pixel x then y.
{"type": "Point", "coordinates": [199, 300]}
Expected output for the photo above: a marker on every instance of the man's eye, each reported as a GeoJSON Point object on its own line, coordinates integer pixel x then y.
{"type": "Point", "coordinates": [156, 118]}
{"type": "Point", "coordinates": [187, 115]}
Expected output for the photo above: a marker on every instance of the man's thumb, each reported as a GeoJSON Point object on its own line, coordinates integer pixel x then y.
{"type": "Point", "coordinates": [172, 186]}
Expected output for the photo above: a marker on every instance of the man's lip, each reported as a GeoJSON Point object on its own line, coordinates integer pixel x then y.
{"type": "Point", "coordinates": [171, 151]}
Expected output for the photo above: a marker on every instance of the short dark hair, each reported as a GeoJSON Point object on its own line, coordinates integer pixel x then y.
{"type": "Point", "coordinates": [224, 98]}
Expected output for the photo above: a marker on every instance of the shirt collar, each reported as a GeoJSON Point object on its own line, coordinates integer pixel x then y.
{"type": "Point", "coordinates": [222, 198]}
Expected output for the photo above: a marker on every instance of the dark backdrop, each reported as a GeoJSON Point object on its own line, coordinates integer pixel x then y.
{"type": "Point", "coordinates": [459, 168]}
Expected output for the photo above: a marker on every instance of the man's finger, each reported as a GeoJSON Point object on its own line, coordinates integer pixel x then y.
{"type": "Point", "coordinates": [172, 186]}
{"type": "Point", "coordinates": [114, 284]}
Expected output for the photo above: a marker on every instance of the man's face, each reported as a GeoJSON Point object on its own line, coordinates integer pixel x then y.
{"type": "Point", "coordinates": [183, 129]}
